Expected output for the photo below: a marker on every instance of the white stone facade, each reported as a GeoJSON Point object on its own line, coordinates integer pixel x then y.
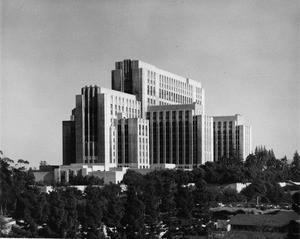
{"type": "Point", "coordinates": [231, 136]}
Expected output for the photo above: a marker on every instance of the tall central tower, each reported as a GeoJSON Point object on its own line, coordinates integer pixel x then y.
{"type": "Point", "coordinates": [122, 76]}
{"type": "Point", "coordinates": [153, 86]}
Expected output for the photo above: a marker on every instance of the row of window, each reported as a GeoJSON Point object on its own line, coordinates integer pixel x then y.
{"type": "Point", "coordinates": [224, 124]}
{"type": "Point", "coordinates": [122, 101]}
{"type": "Point", "coordinates": [151, 81]}
{"type": "Point", "coordinates": [151, 75]}
{"type": "Point", "coordinates": [151, 90]}
{"type": "Point", "coordinates": [175, 89]}
{"type": "Point", "coordinates": [143, 157]}
{"type": "Point", "coordinates": [179, 114]}
{"type": "Point", "coordinates": [143, 150]}
{"type": "Point", "coordinates": [171, 82]}
{"type": "Point", "coordinates": [143, 130]}
{"type": "Point", "coordinates": [166, 95]}
{"type": "Point", "coordinates": [151, 102]}
{"type": "Point", "coordinates": [131, 112]}
{"type": "Point", "coordinates": [161, 114]}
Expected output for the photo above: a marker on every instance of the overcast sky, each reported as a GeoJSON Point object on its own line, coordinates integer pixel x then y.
{"type": "Point", "coordinates": [245, 54]}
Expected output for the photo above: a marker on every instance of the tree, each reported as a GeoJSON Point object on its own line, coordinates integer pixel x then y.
{"type": "Point", "coordinates": [296, 160]}
{"type": "Point", "coordinates": [62, 214]}
{"type": "Point", "coordinates": [204, 198]}
{"type": "Point", "coordinates": [134, 179]}
{"type": "Point", "coordinates": [43, 163]}
{"type": "Point", "coordinates": [31, 210]}
{"type": "Point", "coordinates": [229, 195]}
{"type": "Point", "coordinates": [6, 183]}
{"type": "Point", "coordinates": [229, 169]}
{"type": "Point", "coordinates": [274, 193]}
{"type": "Point", "coordinates": [13, 180]}
{"type": "Point", "coordinates": [152, 214]}
{"type": "Point", "coordinates": [184, 208]}
{"type": "Point", "coordinates": [256, 189]}
{"type": "Point", "coordinates": [198, 175]}
{"type": "Point", "coordinates": [21, 161]}
{"type": "Point", "coordinates": [184, 202]}
{"type": "Point", "coordinates": [211, 175]}
{"type": "Point", "coordinates": [57, 218]}
{"type": "Point", "coordinates": [22, 179]}
{"type": "Point", "coordinates": [114, 209]}
{"type": "Point", "coordinates": [168, 190]}
{"type": "Point", "coordinates": [266, 191]}
{"type": "Point", "coordinates": [91, 218]}
{"type": "Point", "coordinates": [134, 216]}
{"type": "Point", "coordinates": [183, 177]}
{"type": "Point", "coordinates": [24, 209]}
{"type": "Point", "coordinates": [295, 167]}
{"type": "Point", "coordinates": [296, 204]}
{"type": "Point", "coordinates": [71, 224]}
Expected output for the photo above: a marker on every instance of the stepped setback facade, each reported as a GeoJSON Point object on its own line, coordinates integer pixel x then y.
{"type": "Point", "coordinates": [150, 119]}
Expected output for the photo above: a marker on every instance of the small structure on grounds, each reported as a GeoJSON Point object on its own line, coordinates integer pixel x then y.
{"type": "Point", "coordinates": [277, 225]}
{"type": "Point", "coordinates": [45, 174]}
{"type": "Point", "coordinates": [235, 186]}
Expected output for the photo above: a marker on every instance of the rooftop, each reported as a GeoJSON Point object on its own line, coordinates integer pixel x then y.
{"type": "Point", "coordinates": [280, 219]}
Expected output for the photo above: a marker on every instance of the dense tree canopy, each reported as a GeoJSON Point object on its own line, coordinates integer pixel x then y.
{"type": "Point", "coordinates": [174, 202]}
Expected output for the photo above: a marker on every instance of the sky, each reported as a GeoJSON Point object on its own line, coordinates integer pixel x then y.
{"type": "Point", "coordinates": [245, 53]}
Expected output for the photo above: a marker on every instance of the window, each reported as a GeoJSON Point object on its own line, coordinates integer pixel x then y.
{"type": "Point", "coordinates": [186, 114]}
{"type": "Point", "coordinates": [180, 114]}
{"type": "Point", "coordinates": [161, 115]}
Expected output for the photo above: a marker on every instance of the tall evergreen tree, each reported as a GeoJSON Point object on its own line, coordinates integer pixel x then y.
{"type": "Point", "coordinates": [114, 209]}
{"type": "Point", "coordinates": [296, 160]}
{"type": "Point", "coordinates": [31, 210]}
{"type": "Point", "coordinates": [92, 218]}
{"type": "Point", "coordinates": [6, 183]}
{"type": "Point", "coordinates": [152, 214]}
{"type": "Point", "coordinates": [133, 220]}
{"type": "Point", "coordinates": [295, 167]}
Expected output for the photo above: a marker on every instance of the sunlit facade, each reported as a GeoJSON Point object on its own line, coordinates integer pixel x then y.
{"type": "Point", "coordinates": [150, 119]}
{"type": "Point", "coordinates": [153, 86]}
{"type": "Point", "coordinates": [231, 136]}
